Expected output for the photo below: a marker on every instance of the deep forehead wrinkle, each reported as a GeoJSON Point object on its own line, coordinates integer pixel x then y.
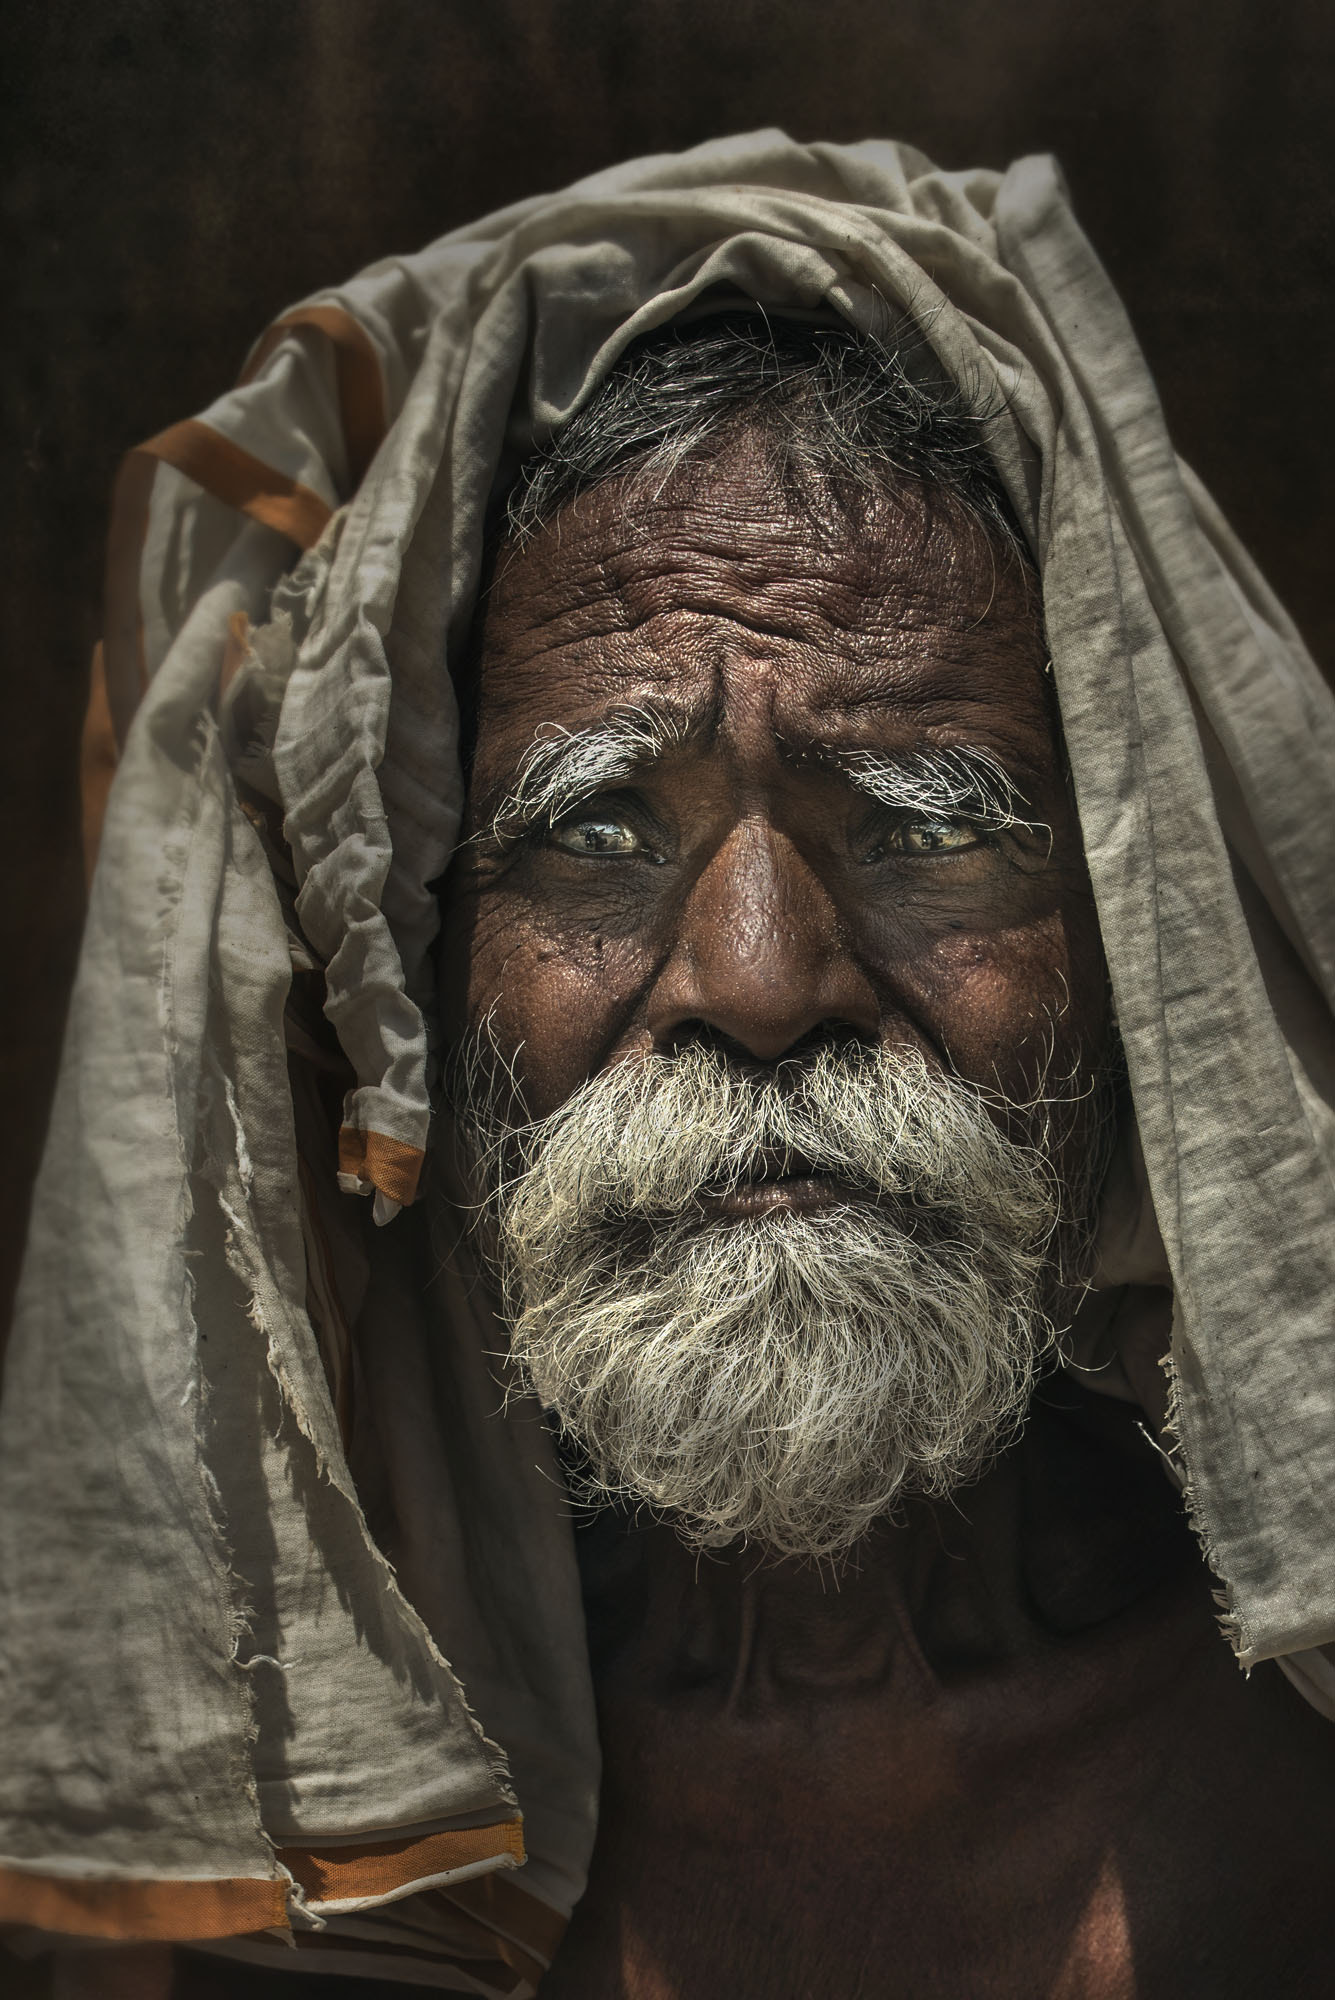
{"type": "Point", "coordinates": [787, 591]}
{"type": "Point", "coordinates": [738, 596]}
{"type": "Point", "coordinates": [936, 693]}
{"type": "Point", "coordinates": [849, 681]}
{"type": "Point", "coordinates": [734, 547]}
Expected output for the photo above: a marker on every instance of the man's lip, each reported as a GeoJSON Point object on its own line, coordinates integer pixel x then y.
{"type": "Point", "coordinates": [792, 1194]}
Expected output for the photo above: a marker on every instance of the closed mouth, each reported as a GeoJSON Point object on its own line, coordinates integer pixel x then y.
{"type": "Point", "coordinates": [783, 1185]}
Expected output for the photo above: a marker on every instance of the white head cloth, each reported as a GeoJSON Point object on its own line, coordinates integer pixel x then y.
{"type": "Point", "coordinates": [214, 1681]}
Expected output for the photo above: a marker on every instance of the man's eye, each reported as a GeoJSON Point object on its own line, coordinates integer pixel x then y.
{"type": "Point", "coordinates": [927, 836]}
{"type": "Point", "coordinates": [596, 836]}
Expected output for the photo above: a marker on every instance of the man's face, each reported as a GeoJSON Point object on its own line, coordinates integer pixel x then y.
{"type": "Point", "coordinates": [759, 792]}
{"type": "Point", "coordinates": [741, 883]}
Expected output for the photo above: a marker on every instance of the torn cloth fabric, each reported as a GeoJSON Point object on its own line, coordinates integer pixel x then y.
{"type": "Point", "coordinates": [258, 1674]}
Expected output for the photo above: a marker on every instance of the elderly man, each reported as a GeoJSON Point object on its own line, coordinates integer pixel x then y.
{"type": "Point", "coordinates": [785, 1053]}
{"type": "Point", "coordinates": [780, 771]}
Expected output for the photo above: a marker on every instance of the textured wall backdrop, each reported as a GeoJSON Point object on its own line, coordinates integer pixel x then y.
{"type": "Point", "coordinates": [182, 169]}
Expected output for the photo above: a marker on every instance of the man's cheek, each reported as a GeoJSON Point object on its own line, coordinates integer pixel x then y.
{"type": "Point", "coordinates": [1003, 1003]}
{"type": "Point", "coordinates": [557, 1004]}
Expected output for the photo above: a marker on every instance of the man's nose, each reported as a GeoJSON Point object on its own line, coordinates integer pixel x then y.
{"type": "Point", "coordinates": [759, 955]}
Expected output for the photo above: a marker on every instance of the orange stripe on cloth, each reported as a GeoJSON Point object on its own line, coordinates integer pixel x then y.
{"type": "Point", "coordinates": [361, 387]}
{"type": "Point", "coordinates": [380, 1868]}
{"type": "Point", "coordinates": [388, 1164]}
{"type": "Point", "coordinates": [150, 1911]}
{"type": "Point", "coordinates": [98, 758]}
{"type": "Point", "coordinates": [237, 478]}
{"type": "Point", "coordinates": [241, 480]}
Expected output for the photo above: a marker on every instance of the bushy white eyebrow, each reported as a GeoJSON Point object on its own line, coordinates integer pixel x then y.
{"type": "Point", "coordinates": [964, 783]}
{"type": "Point", "coordinates": [562, 766]}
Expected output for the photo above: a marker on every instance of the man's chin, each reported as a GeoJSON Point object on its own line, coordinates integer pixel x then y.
{"type": "Point", "coordinates": [781, 1523]}
{"type": "Point", "coordinates": [781, 1377]}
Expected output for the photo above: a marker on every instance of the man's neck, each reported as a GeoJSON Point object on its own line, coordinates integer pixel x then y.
{"type": "Point", "coordinates": [1069, 1529]}
{"type": "Point", "coordinates": [1005, 1753]}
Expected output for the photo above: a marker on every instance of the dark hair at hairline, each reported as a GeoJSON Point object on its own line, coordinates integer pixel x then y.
{"type": "Point", "coordinates": [847, 420]}
{"type": "Point", "coordinates": [842, 415]}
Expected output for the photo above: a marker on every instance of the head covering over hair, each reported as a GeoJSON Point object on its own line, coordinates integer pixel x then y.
{"type": "Point", "coordinates": [258, 1670]}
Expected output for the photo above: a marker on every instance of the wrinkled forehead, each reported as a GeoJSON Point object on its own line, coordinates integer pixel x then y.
{"type": "Point", "coordinates": [723, 581]}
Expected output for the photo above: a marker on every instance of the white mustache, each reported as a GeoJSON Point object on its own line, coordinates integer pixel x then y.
{"type": "Point", "coordinates": [651, 1138]}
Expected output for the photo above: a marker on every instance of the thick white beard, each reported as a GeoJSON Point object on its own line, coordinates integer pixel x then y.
{"type": "Point", "coordinates": [780, 1377]}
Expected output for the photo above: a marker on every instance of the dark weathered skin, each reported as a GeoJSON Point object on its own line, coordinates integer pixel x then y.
{"type": "Point", "coordinates": [753, 913]}
{"type": "Point", "coordinates": [1010, 1753]}
{"type": "Point", "coordinates": [1009, 1756]}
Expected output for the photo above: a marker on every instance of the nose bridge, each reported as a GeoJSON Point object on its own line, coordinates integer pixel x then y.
{"type": "Point", "coordinates": [759, 953]}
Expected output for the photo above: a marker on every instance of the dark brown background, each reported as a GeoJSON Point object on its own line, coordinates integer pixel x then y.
{"type": "Point", "coordinates": [184, 168]}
